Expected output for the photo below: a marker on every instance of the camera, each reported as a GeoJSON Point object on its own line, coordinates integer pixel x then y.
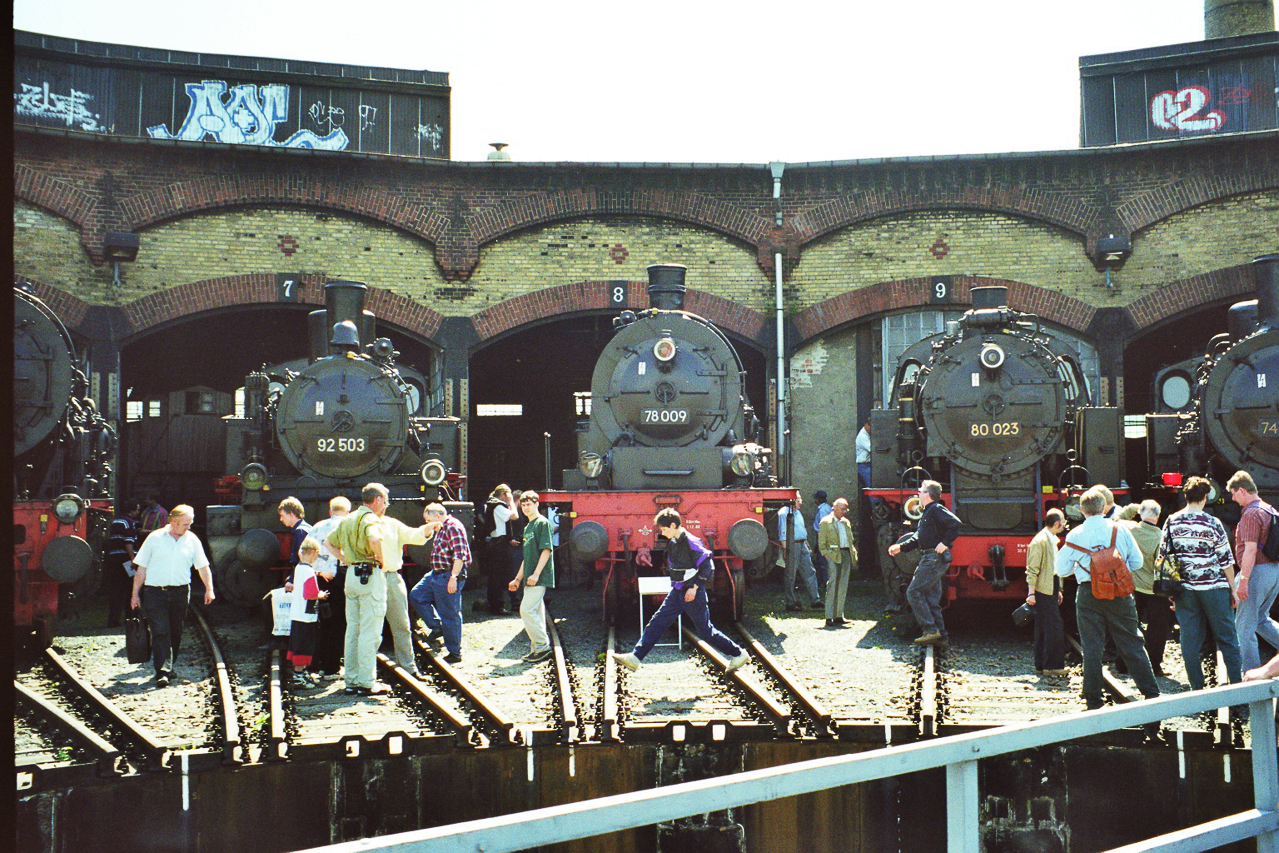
{"type": "Point", "coordinates": [363, 571]}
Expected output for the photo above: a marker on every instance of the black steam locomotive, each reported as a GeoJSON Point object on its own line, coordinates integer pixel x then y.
{"type": "Point", "coordinates": [344, 419]}
{"type": "Point", "coordinates": [670, 426]}
{"type": "Point", "coordinates": [62, 476]}
{"type": "Point", "coordinates": [1230, 419]}
{"type": "Point", "coordinates": [997, 410]}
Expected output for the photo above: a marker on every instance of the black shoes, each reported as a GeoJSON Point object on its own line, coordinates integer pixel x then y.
{"type": "Point", "coordinates": [452, 658]}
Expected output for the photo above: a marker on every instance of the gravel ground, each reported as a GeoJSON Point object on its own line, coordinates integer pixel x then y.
{"type": "Point", "coordinates": [861, 672]}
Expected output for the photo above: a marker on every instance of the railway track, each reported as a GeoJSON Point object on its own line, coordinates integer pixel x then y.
{"type": "Point", "coordinates": [864, 683]}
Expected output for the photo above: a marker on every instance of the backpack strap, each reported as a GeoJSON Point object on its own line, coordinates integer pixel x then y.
{"type": "Point", "coordinates": [1114, 531]}
{"type": "Point", "coordinates": [1078, 547]}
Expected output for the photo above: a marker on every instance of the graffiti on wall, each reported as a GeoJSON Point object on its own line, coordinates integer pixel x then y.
{"type": "Point", "coordinates": [1186, 110]}
{"type": "Point", "coordinates": [243, 115]}
{"type": "Point", "coordinates": [73, 108]}
{"type": "Point", "coordinates": [432, 135]}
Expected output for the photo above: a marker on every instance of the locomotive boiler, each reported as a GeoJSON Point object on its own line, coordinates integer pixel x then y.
{"type": "Point", "coordinates": [344, 419]}
{"type": "Point", "coordinates": [997, 410]}
{"type": "Point", "coordinates": [1231, 420]}
{"type": "Point", "coordinates": [62, 455]}
{"type": "Point", "coordinates": [669, 426]}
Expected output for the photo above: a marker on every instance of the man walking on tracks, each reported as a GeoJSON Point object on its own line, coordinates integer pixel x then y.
{"type": "Point", "coordinates": [437, 597]}
{"type": "Point", "coordinates": [357, 542]}
{"type": "Point", "coordinates": [162, 586]}
{"type": "Point", "coordinates": [691, 570]}
{"type": "Point", "coordinates": [937, 531]}
{"type": "Point", "coordinates": [1096, 615]}
{"type": "Point", "coordinates": [538, 565]}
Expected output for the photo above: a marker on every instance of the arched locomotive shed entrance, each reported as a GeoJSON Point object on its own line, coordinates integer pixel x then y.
{"type": "Point", "coordinates": [536, 380]}
{"type": "Point", "coordinates": [180, 379]}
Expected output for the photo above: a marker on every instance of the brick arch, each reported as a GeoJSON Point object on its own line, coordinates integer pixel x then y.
{"type": "Point", "coordinates": [65, 200]}
{"type": "Point", "coordinates": [1071, 214]}
{"type": "Point", "coordinates": [588, 296]}
{"type": "Point", "coordinates": [548, 208]}
{"type": "Point", "coordinates": [184, 300]}
{"type": "Point", "coordinates": [1191, 191]}
{"type": "Point", "coordinates": [1191, 294]}
{"type": "Point", "coordinates": [1050, 305]}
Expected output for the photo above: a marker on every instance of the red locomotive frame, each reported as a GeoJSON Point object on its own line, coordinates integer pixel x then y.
{"type": "Point", "coordinates": [971, 573]}
{"type": "Point", "coordinates": [35, 591]}
{"type": "Point", "coordinates": [627, 516]}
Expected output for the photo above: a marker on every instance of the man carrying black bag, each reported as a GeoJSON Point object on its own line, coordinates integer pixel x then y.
{"type": "Point", "coordinates": [162, 586]}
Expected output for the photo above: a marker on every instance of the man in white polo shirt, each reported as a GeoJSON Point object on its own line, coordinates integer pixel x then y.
{"type": "Point", "coordinates": [162, 586]}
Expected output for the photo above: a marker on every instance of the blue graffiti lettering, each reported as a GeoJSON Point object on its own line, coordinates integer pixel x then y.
{"type": "Point", "coordinates": [245, 118]}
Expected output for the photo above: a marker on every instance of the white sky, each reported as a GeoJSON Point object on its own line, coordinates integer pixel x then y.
{"type": "Point", "coordinates": [692, 81]}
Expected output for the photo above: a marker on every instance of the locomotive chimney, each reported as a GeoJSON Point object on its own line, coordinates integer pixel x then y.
{"type": "Point", "coordinates": [666, 286]}
{"type": "Point", "coordinates": [343, 300]}
{"type": "Point", "coordinates": [990, 296]}
{"type": "Point", "coordinates": [1265, 270]}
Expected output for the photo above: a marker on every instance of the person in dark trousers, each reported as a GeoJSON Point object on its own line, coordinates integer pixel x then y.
{"type": "Point", "coordinates": [691, 569]}
{"type": "Point", "coordinates": [938, 529]}
{"type": "Point", "coordinates": [498, 510]}
{"type": "Point", "coordinates": [162, 586]}
{"type": "Point", "coordinates": [118, 571]}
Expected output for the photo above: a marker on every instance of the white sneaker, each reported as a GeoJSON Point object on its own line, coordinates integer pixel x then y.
{"type": "Point", "coordinates": [738, 662]}
{"type": "Point", "coordinates": [628, 660]}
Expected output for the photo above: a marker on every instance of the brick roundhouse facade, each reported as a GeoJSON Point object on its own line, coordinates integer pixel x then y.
{"type": "Point", "coordinates": [460, 255]}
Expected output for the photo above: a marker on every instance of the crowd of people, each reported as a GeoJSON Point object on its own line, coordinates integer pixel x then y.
{"type": "Point", "coordinates": [346, 582]}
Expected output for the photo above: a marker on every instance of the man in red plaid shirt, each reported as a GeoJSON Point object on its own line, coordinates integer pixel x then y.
{"type": "Point", "coordinates": [437, 597]}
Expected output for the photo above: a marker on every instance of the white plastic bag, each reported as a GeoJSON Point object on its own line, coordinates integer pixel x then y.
{"type": "Point", "coordinates": [282, 612]}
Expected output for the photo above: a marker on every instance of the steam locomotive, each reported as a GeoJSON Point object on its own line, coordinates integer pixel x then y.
{"type": "Point", "coordinates": [997, 410]}
{"type": "Point", "coordinates": [62, 454]}
{"type": "Point", "coordinates": [342, 420]}
{"type": "Point", "coordinates": [1230, 416]}
{"type": "Point", "coordinates": [669, 427]}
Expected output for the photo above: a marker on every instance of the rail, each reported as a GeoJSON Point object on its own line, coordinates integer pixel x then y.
{"type": "Point", "coordinates": [958, 754]}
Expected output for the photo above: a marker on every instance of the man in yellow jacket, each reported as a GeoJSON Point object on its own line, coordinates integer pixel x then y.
{"type": "Point", "coordinates": [835, 542]}
{"type": "Point", "coordinates": [1045, 596]}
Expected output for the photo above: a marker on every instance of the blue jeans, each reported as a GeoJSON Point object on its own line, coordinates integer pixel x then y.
{"type": "Point", "coordinates": [166, 611]}
{"type": "Point", "coordinates": [924, 593]}
{"type": "Point", "coordinates": [1118, 615]}
{"type": "Point", "coordinates": [697, 611]}
{"type": "Point", "coordinates": [1252, 617]}
{"type": "Point", "coordinates": [1200, 610]}
{"type": "Point", "coordinates": [440, 610]}
{"type": "Point", "coordinates": [800, 561]}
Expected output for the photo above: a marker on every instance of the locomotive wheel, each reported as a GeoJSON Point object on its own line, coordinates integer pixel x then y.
{"type": "Point", "coordinates": [228, 582]}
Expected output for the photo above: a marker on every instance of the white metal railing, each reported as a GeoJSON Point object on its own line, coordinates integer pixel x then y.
{"type": "Point", "coordinates": [958, 754]}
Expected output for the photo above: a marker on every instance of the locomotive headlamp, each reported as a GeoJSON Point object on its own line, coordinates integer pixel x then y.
{"type": "Point", "coordinates": [591, 465]}
{"type": "Point", "coordinates": [664, 350]}
{"type": "Point", "coordinates": [254, 476]}
{"type": "Point", "coordinates": [434, 472]}
{"type": "Point", "coordinates": [67, 508]}
{"type": "Point", "coordinates": [743, 462]}
{"type": "Point", "coordinates": [992, 355]}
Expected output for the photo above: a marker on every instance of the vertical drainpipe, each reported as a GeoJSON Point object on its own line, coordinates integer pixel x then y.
{"type": "Point", "coordinates": [777, 168]}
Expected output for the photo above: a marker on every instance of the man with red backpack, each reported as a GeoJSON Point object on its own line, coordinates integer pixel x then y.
{"type": "Point", "coordinates": [1096, 613]}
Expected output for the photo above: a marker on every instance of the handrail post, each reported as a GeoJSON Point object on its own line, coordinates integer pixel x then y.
{"type": "Point", "coordinates": [1265, 767]}
{"type": "Point", "coordinates": [962, 824]}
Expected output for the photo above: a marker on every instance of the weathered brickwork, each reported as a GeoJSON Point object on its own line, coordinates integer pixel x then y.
{"type": "Point", "coordinates": [1225, 233]}
{"type": "Point", "coordinates": [824, 403]}
{"type": "Point", "coordinates": [249, 241]}
{"type": "Point", "coordinates": [46, 248]}
{"type": "Point", "coordinates": [944, 242]}
{"type": "Point", "coordinates": [613, 249]}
